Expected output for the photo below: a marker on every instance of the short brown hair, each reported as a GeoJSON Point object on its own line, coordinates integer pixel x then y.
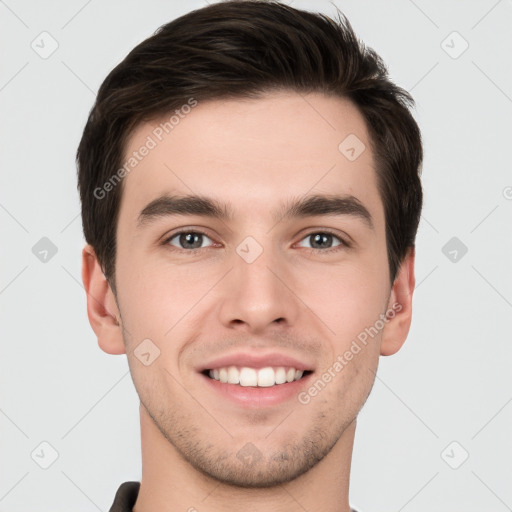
{"type": "Point", "coordinates": [243, 48]}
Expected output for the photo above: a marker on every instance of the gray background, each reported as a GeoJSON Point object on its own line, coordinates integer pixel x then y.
{"type": "Point", "coordinates": [449, 383]}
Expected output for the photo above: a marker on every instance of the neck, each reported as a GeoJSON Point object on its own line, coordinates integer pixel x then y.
{"type": "Point", "coordinates": [170, 484]}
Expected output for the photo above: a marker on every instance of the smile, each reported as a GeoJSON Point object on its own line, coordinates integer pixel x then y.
{"type": "Point", "coordinates": [257, 377]}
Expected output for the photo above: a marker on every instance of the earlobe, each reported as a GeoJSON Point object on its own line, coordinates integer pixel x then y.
{"type": "Point", "coordinates": [399, 307]}
{"type": "Point", "coordinates": [102, 309]}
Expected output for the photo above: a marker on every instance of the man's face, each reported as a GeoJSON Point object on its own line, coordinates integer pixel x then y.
{"type": "Point", "coordinates": [254, 284]}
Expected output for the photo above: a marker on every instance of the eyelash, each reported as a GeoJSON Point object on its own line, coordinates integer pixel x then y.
{"type": "Point", "coordinates": [343, 243]}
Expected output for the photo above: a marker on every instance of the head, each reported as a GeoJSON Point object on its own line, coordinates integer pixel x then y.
{"type": "Point", "coordinates": [254, 106]}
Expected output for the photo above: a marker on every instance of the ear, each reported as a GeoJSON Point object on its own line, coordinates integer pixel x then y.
{"type": "Point", "coordinates": [399, 309]}
{"type": "Point", "coordinates": [102, 309]}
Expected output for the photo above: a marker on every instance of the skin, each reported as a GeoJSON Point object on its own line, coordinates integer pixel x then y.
{"type": "Point", "coordinates": [198, 307]}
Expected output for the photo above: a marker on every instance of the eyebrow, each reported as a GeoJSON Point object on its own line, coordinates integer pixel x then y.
{"type": "Point", "coordinates": [310, 206]}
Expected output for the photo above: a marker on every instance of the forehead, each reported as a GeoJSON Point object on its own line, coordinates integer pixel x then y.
{"type": "Point", "coordinates": [252, 153]}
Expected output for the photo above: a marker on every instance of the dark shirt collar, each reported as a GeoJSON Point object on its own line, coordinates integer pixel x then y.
{"type": "Point", "coordinates": [125, 498]}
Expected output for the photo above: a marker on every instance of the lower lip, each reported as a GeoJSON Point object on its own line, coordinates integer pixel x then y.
{"type": "Point", "coordinates": [252, 396]}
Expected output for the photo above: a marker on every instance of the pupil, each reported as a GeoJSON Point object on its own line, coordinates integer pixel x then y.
{"type": "Point", "coordinates": [188, 238]}
{"type": "Point", "coordinates": [319, 237]}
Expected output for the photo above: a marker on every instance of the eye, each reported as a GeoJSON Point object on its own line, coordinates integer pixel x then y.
{"type": "Point", "coordinates": [324, 240]}
{"type": "Point", "coordinates": [188, 240]}
{"type": "Point", "coordinates": [318, 240]}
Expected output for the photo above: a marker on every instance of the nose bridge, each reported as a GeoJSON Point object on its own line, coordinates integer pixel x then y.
{"type": "Point", "coordinates": [253, 264]}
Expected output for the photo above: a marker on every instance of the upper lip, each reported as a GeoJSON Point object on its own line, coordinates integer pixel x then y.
{"type": "Point", "coordinates": [256, 361]}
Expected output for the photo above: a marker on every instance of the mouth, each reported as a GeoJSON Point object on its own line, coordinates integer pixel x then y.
{"type": "Point", "coordinates": [252, 380]}
{"type": "Point", "coordinates": [266, 377]}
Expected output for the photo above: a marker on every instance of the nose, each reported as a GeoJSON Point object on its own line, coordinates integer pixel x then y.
{"type": "Point", "coordinates": [258, 295]}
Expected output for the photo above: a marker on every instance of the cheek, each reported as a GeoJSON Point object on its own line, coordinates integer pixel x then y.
{"type": "Point", "coordinates": [164, 302]}
{"type": "Point", "coordinates": [148, 297]}
{"type": "Point", "coordinates": [347, 298]}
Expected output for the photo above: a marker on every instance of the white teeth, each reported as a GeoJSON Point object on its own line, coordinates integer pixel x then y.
{"type": "Point", "coordinates": [248, 377]}
{"type": "Point", "coordinates": [262, 377]}
{"type": "Point", "coordinates": [280, 375]}
{"type": "Point", "coordinates": [266, 377]}
{"type": "Point", "coordinates": [233, 375]}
